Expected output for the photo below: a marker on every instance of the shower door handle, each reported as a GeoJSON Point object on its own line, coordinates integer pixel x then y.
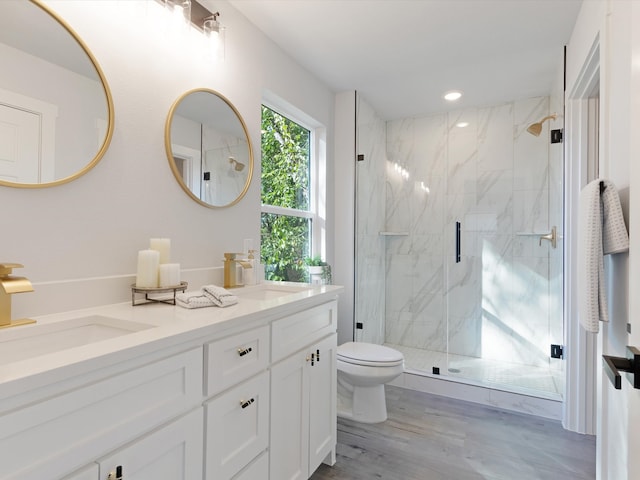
{"type": "Point", "coordinates": [630, 364]}
{"type": "Point", "coordinates": [458, 224]}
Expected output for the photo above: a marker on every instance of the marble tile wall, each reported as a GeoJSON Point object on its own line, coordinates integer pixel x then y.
{"type": "Point", "coordinates": [501, 300]}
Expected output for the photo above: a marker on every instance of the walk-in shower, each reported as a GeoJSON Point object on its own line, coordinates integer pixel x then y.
{"type": "Point", "coordinates": [452, 263]}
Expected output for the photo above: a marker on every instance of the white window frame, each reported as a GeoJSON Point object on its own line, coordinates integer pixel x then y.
{"type": "Point", "coordinates": [317, 175]}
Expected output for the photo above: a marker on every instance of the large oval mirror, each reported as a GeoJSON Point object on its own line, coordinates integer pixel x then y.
{"type": "Point", "coordinates": [208, 148]}
{"type": "Point", "coordinates": [56, 110]}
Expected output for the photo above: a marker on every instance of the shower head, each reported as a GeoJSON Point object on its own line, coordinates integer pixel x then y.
{"type": "Point", "coordinates": [237, 166]}
{"type": "Point", "coordinates": [536, 128]}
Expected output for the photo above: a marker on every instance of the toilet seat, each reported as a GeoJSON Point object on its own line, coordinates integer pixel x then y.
{"type": "Point", "coordinates": [368, 354]}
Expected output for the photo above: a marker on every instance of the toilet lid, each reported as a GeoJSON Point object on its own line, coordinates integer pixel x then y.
{"type": "Point", "coordinates": [361, 353]}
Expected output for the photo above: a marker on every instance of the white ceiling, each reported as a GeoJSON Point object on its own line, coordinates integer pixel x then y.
{"type": "Point", "coordinates": [402, 55]}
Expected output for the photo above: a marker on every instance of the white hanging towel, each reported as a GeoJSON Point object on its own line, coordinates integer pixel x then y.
{"type": "Point", "coordinates": [601, 231]}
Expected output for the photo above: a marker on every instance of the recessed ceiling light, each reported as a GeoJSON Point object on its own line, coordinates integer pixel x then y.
{"type": "Point", "coordinates": [462, 124]}
{"type": "Point", "coordinates": [452, 96]}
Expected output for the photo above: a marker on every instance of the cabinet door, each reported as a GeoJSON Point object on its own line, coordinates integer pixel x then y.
{"type": "Point", "coordinates": [258, 470]}
{"type": "Point", "coordinates": [172, 452]}
{"type": "Point", "coordinates": [237, 427]}
{"type": "Point", "coordinates": [90, 472]}
{"type": "Point", "coordinates": [322, 403]}
{"type": "Point", "coordinates": [289, 439]}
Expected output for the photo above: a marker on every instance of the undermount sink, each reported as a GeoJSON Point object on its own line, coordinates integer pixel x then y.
{"type": "Point", "coordinates": [268, 292]}
{"type": "Point", "coordinates": [21, 343]}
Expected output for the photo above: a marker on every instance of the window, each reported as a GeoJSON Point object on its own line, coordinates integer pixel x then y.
{"type": "Point", "coordinates": [289, 220]}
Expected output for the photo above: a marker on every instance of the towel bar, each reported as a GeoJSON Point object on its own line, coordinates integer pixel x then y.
{"type": "Point", "coordinates": [630, 364]}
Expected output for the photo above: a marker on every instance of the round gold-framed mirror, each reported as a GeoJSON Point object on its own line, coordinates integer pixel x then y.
{"type": "Point", "coordinates": [56, 109]}
{"type": "Point", "coordinates": [208, 148]}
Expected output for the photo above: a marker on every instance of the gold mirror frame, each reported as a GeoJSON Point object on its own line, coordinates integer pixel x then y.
{"type": "Point", "coordinates": [108, 99]}
{"type": "Point", "coordinates": [170, 153]}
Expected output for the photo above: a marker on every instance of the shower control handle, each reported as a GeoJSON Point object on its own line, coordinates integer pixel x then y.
{"type": "Point", "coordinates": [551, 236]}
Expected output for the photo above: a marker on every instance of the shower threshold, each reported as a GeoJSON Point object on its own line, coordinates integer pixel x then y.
{"type": "Point", "coordinates": [532, 381]}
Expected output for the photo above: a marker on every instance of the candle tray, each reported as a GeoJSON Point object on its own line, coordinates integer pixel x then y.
{"type": "Point", "coordinates": [169, 299]}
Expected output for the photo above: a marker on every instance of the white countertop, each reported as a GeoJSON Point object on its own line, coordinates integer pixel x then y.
{"type": "Point", "coordinates": [172, 325]}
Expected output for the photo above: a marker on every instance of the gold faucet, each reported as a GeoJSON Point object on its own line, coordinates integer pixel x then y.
{"type": "Point", "coordinates": [9, 285]}
{"type": "Point", "coordinates": [230, 262]}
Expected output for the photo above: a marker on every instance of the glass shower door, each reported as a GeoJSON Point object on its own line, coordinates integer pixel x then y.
{"type": "Point", "coordinates": [503, 273]}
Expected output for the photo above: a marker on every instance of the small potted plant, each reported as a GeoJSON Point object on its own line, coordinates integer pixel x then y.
{"type": "Point", "coordinates": [318, 270]}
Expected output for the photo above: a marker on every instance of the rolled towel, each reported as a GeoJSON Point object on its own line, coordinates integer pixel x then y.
{"type": "Point", "coordinates": [219, 296]}
{"type": "Point", "coordinates": [193, 300]}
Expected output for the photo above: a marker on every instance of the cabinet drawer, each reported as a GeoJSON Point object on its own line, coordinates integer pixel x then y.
{"type": "Point", "coordinates": [296, 331]}
{"type": "Point", "coordinates": [233, 359]}
{"type": "Point", "coordinates": [70, 430]}
{"type": "Point", "coordinates": [237, 427]}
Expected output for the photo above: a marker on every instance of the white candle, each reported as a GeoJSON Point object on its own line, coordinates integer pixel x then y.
{"type": "Point", "coordinates": [147, 275]}
{"type": "Point", "coordinates": [169, 274]}
{"type": "Point", "coordinates": [162, 245]}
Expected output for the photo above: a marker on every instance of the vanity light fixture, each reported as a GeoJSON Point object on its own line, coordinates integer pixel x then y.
{"type": "Point", "coordinates": [180, 12]}
{"type": "Point", "coordinates": [214, 33]}
{"type": "Point", "coordinates": [193, 13]}
{"type": "Point", "coordinates": [452, 96]}
{"type": "Point", "coordinates": [462, 124]}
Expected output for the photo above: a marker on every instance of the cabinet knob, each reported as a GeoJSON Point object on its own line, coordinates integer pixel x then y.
{"type": "Point", "coordinates": [117, 475]}
{"type": "Point", "coordinates": [245, 404]}
{"type": "Point", "coordinates": [243, 351]}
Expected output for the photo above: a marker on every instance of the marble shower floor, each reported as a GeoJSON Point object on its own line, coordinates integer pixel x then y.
{"type": "Point", "coordinates": [530, 380]}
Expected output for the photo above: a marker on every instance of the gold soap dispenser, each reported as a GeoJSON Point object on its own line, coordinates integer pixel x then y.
{"type": "Point", "coordinates": [10, 284]}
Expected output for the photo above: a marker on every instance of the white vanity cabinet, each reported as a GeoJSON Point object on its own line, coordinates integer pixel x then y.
{"type": "Point", "coordinates": [303, 393]}
{"type": "Point", "coordinates": [251, 397]}
{"type": "Point", "coordinates": [52, 435]}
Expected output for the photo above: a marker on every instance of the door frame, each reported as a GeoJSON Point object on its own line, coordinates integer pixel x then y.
{"type": "Point", "coordinates": [579, 408]}
{"type": "Point", "coordinates": [48, 114]}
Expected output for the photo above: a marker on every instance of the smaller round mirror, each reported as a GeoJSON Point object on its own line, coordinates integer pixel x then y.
{"type": "Point", "coordinates": [208, 148]}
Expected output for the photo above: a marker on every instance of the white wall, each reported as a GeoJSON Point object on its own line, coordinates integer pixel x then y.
{"type": "Point", "coordinates": [79, 241]}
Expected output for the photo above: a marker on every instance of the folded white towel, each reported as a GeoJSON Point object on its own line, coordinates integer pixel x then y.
{"type": "Point", "coordinates": [601, 230]}
{"type": "Point", "coordinates": [193, 300]}
{"type": "Point", "coordinates": [219, 296]}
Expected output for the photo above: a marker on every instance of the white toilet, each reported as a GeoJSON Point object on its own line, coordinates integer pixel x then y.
{"type": "Point", "coordinates": [363, 369]}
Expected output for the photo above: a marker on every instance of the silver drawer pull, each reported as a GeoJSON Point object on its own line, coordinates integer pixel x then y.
{"type": "Point", "coordinates": [243, 351]}
{"type": "Point", "coordinates": [245, 404]}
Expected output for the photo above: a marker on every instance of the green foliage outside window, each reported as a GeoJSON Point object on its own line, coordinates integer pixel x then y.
{"type": "Point", "coordinates": [285, 240]}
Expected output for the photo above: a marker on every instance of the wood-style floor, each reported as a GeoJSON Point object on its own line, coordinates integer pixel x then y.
{"type": "Point", "coordinates": [429, 437]}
